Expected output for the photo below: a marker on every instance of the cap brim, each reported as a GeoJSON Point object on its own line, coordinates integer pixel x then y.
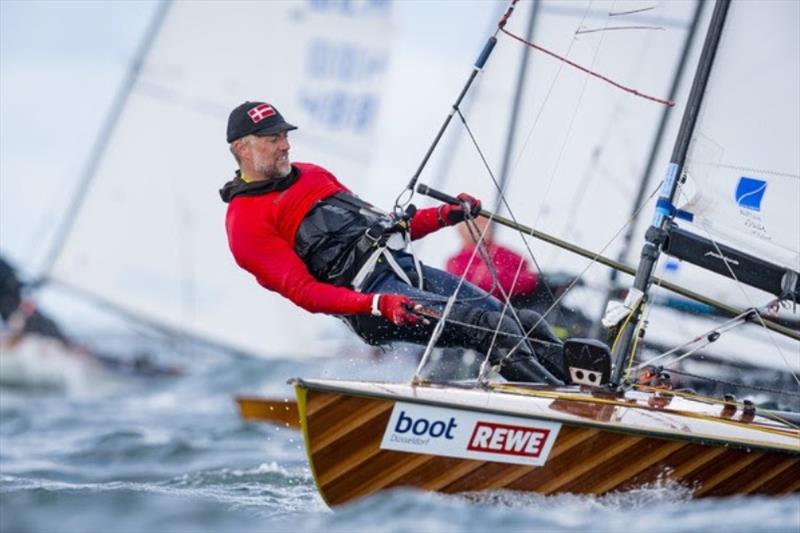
{"type": "Point", "coordinates": [275, 128]}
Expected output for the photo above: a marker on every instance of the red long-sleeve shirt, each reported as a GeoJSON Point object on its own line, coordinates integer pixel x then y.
{"type": "Point", "coordinates": [505, 263]}
{"type": "Point", "coordinates": [262, 227]}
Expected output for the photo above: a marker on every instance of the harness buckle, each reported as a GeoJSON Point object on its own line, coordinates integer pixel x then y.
{"type": "Point", "coordinates": [376, 234]}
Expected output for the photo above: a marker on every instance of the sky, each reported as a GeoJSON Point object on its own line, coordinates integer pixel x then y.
{"type": "Point", "coordinates": [61, 64]}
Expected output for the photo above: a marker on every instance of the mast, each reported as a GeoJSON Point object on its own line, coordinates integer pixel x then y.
{"type": "Point", "coordinates": [103, 138]}
{"type": "Point", "coordinates": [656, 232]}
{"type": "Point", "coordinates": [512, 126]}
{"type": "Point", "coordinates": [643, 181]}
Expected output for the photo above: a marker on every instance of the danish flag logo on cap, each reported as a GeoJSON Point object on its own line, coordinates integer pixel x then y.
{"type": "Point", "coordinates": [260, 112]}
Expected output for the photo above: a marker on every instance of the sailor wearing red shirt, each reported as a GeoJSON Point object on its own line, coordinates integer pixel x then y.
{"type": "Point", "coordinates": [304, 235]}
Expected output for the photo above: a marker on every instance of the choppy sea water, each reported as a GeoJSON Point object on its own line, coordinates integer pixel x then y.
{"type": "Point", "coordinates": [153, 455]}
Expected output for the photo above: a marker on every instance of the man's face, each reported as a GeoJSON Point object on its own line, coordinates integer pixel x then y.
{"type": "Point", "coordinates": [271, 155]}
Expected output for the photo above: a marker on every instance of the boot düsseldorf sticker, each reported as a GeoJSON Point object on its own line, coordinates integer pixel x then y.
{"type": "Point", "coordinates": [481, 436]}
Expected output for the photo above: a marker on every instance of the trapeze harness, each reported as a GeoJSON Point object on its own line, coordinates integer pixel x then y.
{"type": "Point", "coordinates": [343, 240]}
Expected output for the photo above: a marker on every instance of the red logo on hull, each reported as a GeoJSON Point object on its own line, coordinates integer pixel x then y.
{"type": "Point", "coordinates": [508, 440]}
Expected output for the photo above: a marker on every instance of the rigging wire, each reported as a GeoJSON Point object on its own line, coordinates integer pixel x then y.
{"type": "Point", "coordinates": [612, 123]}
{"type": "Point", "coordinates": [739, 285]}
{"type": "Point", "coordinates": [736, 384]}
{"type": "Point", "coordinates": [759, 319]}
{"type": "Point", "coordinates": [701, 340]}
{"type": "Point", "coordinates": [589, 71]}
{"type": "Point", "coordinates": [597, 255]}
{"type": "Point", "coordinates": [561, 151]}
{"type": "Point", "coordinates": [507, 303]}
{"type": "Point", "coordinates": [630, 11]}
{"type": "Point", "coordinates": [437, 330]}
{"type": "Point", "coordinates": [501, 189]}
{"type": "Point", "coordinates": [617, 28]}
{"type": "Point", "coordinates": [456, 110]}
{"type": "Point", "coordinates": [502, 196]}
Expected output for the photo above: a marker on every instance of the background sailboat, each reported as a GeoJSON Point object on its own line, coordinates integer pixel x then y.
{"type": "Point", "coordinates": [148, 234]}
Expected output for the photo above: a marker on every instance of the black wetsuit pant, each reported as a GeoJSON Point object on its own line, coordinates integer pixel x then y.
{"type": "Point", "coordinates": [475, 318]}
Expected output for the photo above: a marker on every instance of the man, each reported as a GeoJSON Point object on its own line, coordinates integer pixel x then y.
{"type": "Point", "coordinates": [304, 235]}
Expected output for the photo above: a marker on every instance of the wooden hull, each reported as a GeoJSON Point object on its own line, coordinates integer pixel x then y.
{"type": "Point", "coordinates": [282, 412]}
{"type": "Point", "coordinates": [600, 448]}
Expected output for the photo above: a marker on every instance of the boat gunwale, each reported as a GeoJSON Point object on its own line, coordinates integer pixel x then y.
{"type": "Point", "coordinates": [330, 386]}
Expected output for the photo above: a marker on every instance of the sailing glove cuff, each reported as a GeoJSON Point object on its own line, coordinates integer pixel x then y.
{"type": "Point", "coordinates": [469, 207]}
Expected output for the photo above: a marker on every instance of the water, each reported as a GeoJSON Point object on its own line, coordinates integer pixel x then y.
{"type": "Point", "coordinates": [173, 455]}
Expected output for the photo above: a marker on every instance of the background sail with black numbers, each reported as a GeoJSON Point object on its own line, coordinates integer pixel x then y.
{"type": "Point", "coordinates": [153, 213]}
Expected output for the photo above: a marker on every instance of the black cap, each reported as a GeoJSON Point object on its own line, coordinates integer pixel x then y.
{"type": "Point", "coordinates": [256, 117]}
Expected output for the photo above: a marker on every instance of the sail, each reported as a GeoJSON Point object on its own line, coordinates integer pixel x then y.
{"type": "Point", "coordinates": [743, 163]}
{"type": "Point", "coordinates": [149, 237]}
{"type": "Point", "coordinates": [581, 144]}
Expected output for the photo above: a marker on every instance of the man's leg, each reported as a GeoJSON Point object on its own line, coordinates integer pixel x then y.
{"type": "Point", "coordinates": [476, 321]}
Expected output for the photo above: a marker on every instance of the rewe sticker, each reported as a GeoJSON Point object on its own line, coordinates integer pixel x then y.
{"type": "Point", "coordinates": [501, 438]}
{"type": "Point", "coordinates": [447, 432]}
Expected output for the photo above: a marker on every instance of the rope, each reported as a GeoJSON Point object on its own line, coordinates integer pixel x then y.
{"type": "Point", "coordinates": [501, 190]}
{"type": "Point", "coordinates": [758, 317]}
{"type": "Point", "coordinates": [502, 23]}
{"type": "Point", "coordinates": [709, 336]}
{"type": "Point", "coordinates": [588, 71]}
{"type": "Point", "coordinates": [501, 194]}
{"type": "Point", "coordinates": [735, 384]}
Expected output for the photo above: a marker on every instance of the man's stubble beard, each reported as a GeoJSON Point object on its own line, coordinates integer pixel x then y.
{"type": "Point", "coordinates": [271, 171]}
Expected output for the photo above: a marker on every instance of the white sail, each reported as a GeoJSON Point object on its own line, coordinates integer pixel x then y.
{"type": "Point", "coordinates": [581, 144]}
{"type": "Point", "coordinates": [149, 236]}
{"type": "Point", "coordinates": [744, 160]}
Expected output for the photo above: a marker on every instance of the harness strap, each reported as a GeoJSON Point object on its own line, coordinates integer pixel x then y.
{"type": "Point", "coordinates": [378, 240]}
{"type": "Point", "coordinates": [385, 251]}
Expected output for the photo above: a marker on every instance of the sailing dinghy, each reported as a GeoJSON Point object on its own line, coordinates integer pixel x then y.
{"type": "Point", "coordinates": [611, 429]}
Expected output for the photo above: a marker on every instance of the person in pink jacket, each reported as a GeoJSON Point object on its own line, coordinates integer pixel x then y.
{"type": "Point", "coordinates": [512, 279]}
